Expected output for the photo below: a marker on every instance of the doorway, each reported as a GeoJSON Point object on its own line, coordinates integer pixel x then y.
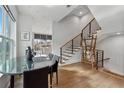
{"type": "Point", "coordinates": [42, 44]}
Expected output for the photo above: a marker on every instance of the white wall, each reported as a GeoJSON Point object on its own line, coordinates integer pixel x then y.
{"type": "Point", "coordinates": [113, 48]}
{"type": "Point", "coordinates": [111, 20]}
{"type": "Point", "coordinates": [28, 24]}
{"type": "Point", "coordinates": [66, 29]}
{"type": "Point", "coordinates": [43, 26]}
{"type": "Point", "coordinates": [109, 17]}
{"type": "Point", "coordinates": [25, 24]}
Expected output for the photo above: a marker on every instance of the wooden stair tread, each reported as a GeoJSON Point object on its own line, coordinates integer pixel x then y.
{"type": "Point", "coordinates": [63, 58]}
{"type": "Point", "coordinates": [73, 48]}
{"type": "Point", "coordinates": [66, 55]}
{"type": "Point", "coordinates": [76, 48]}
{"type": "Point", "coordinates": [69, 52]}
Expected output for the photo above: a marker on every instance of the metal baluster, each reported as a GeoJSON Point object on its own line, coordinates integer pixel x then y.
{"type": "Point", "coordinates": [97, 56]}
{"type": "Point", "coordinates": [102, 58]}
{"type": "Point", "coordinates": [72, 46]}
{"type": "Point", "coordinates": [61, 54]}
{"type": "Point", "coordinates": [89, 29]}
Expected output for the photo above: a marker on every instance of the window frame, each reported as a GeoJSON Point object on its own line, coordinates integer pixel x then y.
{"type": "Point", "coordinates": [2, 21]}
{"type": "Point", "coordinates": [6, 36]}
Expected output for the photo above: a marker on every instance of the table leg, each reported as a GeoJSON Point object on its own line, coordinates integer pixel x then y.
{"type": "Point", "coordinates": [12, 81]}
{"type": "Point", "coordinates": [51, 79]}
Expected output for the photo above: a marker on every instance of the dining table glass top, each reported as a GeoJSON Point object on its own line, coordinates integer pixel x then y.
{"type": "Point", "coordinates": [20, 64]}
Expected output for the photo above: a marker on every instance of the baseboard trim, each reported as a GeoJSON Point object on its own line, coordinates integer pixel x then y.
{"type": "Point", "coordinates": [113, 74]}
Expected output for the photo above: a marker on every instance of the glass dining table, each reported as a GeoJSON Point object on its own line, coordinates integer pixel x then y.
{"type": "Point", "coordinates": [17, 66]}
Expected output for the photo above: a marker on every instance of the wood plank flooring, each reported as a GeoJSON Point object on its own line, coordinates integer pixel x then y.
{"type": "Point", "coordinates": [80, 75]}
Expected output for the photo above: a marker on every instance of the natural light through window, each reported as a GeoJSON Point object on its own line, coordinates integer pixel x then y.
{"type": "Point", "coordinates": [0, 20]}
{"type": "Point", "coordinates": [7, 26]}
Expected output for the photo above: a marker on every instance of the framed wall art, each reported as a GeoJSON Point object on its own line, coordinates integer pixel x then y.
{"type": "Point", "coordinates": [25, 36]}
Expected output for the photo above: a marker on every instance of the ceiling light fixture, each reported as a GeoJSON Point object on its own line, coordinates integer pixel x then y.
{"type": "Point", "coordinates": [118, 33]}
{"type": "Point", "coordinates": [80, 13]}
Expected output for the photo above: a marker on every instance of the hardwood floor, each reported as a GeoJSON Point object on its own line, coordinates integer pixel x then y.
{"type": "Point", "coordinates": [80, 75]}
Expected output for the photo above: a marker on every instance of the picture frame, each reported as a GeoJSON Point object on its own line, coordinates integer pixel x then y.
{"type": "Point", "coordinates": [25, 36]}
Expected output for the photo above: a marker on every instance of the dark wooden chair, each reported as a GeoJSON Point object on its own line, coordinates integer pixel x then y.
{"type": "Point", "coordinates": [37, 78]}
{"type": "Point", "coordinates": [54, 69]}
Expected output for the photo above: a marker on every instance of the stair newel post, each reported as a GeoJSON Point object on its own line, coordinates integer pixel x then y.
{"type": "Point", "coordinates": [102, 58]}
{"type": "Point", "coordinates": [72, 45]}
{"type": "Point", "coordinates": [61, 54]}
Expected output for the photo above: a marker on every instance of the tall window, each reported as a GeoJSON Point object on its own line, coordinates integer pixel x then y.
{"type": "Point", "coordinates": [7, 26]}
{"type": "Point", "coordinates": [0, 20]}
{"type": "Point", "coordinates": [6, 39]}
{"type": "Point", "coordinates": [1, 39]}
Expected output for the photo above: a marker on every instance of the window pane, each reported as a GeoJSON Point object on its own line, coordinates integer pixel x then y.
{"type": "Point", "coordinates": [5, 53]}
{"type": "Point", "coordinates": [49, 37]}
{"type": "Point", "coordinates": [0, 21]}
{"type": "Point", "coordinates": [7, 26]}
{"type": "Point", "coordinates": [6, 44]}
{"type": "Point", "coordinates": [37, 36]}
{"type": "Point", "coordinates": [2, 51]}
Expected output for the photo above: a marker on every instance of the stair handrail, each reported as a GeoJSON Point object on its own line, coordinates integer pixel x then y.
{"type": "Point", "coordinates": [88, 24]}
{"type": "Point", "coordinates": [70, 40]}
{"type": "Point", "coordinates": [78, 34]}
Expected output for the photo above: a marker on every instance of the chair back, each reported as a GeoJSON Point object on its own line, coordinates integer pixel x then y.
{"type": "Point", "coordinates": [55, 58]}
{"type": "Point", "coordinates": [55, 63]}
{"type": "Point", "coordinates": [37, 78]}
{"type": "Point", "coordinates": [50, 56]}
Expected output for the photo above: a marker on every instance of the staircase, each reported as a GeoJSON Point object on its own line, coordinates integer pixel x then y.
{"type": "Point", "coordinates": [69, 49]}
{"type": "Point", "coordinates": [86, 42]}
{"type": "Point", "coordinates": [68, 53]}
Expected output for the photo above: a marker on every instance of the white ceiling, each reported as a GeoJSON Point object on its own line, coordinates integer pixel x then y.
{"type": "Point", "coordinates": [110, 18]}
{"type": "Point", "coordinates": [80, 10]}
{"type": "Point", "coordinates": [51, 12]}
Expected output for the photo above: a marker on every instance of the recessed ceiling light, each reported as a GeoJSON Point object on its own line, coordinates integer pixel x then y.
{"type": "Point", "coordinates": [118, 33]}
{"type": "Point", "coordinates": [80, 13]}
